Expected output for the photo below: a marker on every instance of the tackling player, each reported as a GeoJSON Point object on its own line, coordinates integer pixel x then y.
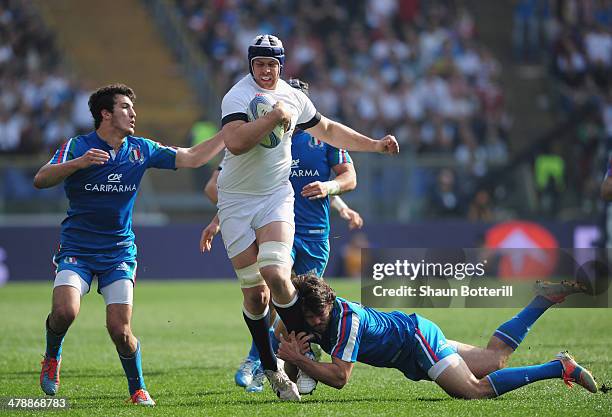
{"type": "Point", "coordinates": [256, 198]}
{"type": "Point", "coordinates": [350, 332]}
{"type": "Point", "coordinates": [101, 172]}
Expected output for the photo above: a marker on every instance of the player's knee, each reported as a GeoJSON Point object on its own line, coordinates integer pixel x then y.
{"type": "Point", "coordinates": [120, 333]}
{"type": "Point", "coordinates": [256, 297]}
{"type": "Point", "coordinates": [277, 282]}
{"type": "Point", "coordinates": [63, 315]}
{"type": "Point", "coordinates": [276, 254]}
{"type": "Point", "coordinates": [501, 362]}
{"type": "Point", "coordinates": [497, 361]}
{"type": "Point", "coordinates": [250, 277]}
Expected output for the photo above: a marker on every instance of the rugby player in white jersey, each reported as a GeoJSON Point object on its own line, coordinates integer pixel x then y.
{"type": "Point", "coordinates": [256, 198]}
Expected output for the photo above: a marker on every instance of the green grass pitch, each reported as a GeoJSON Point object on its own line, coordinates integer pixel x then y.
{"type": "Point", "coordinates": [193, 337]}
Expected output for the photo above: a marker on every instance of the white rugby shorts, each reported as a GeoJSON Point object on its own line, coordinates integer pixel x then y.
{"type": "Point", "coordinates": [241, 214]}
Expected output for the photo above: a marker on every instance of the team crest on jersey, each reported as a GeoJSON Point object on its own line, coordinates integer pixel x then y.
{"type": "Point", "coordinates": [315, 143]}
{"type": "Point", "coordinates": [136, 155]}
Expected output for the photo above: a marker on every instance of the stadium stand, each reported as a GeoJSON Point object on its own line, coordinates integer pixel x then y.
{"type": "Point", "coordinates": [421, 70]}
{"type": "Point", "coordinates": [413, 68]}
{"type": "Point", "coordinates": [579, 39]}
{"type": "Point", "coordinates": [38, 98]}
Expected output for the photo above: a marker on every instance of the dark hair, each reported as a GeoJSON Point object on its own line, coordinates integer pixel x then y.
{"type": "Point", "coordinates": [104, 99]}
{"type": "Point", "coordinates": [316, 295]}
{"type": "Point", "coordinates": [299, 84]}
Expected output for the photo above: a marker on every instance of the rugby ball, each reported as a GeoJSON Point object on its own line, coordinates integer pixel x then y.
{"type": "Point", "coordinates": [259, 107]}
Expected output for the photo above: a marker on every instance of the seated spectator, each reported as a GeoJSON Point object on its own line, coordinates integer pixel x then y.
{"type": "Point", "coordinates": [445, 200]}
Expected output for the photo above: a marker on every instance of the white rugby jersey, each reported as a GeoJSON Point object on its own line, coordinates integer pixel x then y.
{"type": "Point", "coordinates": [262, 170]}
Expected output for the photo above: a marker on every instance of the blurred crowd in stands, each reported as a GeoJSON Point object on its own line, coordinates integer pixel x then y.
{"type": "Point", "coordinates": [411, 67]}
{"type": "Point", "coordinates": [415, 68]}
{"type": "Point", "coordinates": [576, 36]}
{"type": "Point", "coordinates": [40, 106]}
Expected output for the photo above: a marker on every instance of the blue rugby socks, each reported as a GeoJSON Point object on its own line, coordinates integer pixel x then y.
{"type": "Point", "coordinates": [132, 365]}
{"type": "Point", "coordinates": [253, 352]}
{"type": "Point", "coordinates": [54, 342]}
{"type": "Point", "coordinates": [275, 342]}
{"type": "Point", "coordinates": [509, 379]}
{"type": "Point", "coordinates": [514, 330]}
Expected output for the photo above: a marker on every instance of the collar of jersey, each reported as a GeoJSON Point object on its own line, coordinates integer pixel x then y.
{"type": "Point", "coordinates": [106, 146]}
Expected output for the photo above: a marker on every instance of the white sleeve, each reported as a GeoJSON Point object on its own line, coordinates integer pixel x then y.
{"type": "Point", "coordinates": [308, 112]}
{"type": "Point", "coordinates": [234, 103]}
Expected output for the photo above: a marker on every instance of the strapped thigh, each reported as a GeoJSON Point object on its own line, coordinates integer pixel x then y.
{"type": "Point", "coordinates": [250, 277]}
{"type": "Point", "coordinates": [274, 253]}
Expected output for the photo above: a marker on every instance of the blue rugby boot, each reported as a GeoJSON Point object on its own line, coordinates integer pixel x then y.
{"type": "Point", "coordinates": [574, 373]}
{"type": "Point", "coordinates": [257, 384]}
{"type": "Point", "coordinates": [50, 375]}
{"type": "Point", "coordinates": [244, 374]}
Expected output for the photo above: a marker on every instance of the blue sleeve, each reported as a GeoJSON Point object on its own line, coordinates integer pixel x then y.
{"type": "Point", "coordinates": [349, 332]}
{"type": "Point", "coordinates": [160, 156]}
{"type": "Point", "coordinates": [337, 156]}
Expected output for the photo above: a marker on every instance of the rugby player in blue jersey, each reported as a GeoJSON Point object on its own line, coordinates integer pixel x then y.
{"type": "Point", "coordinates": [101, 172]}
{"type": "Point", "coordinates": [350, 332]}
{"type": "Point", "coordinates": [312, 164]}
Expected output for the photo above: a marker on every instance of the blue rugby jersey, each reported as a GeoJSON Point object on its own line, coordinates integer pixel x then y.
{"type": "Point", "coordinates": [101, 197]}
{"type": "Point", "coordinates": [312, 160]}
{"type": "Point", "coordinates": [358, 333]}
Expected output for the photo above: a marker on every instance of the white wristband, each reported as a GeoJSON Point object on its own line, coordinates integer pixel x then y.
{"type": "Point", "coordinates": [338, 203]}
{"type": "Point", "coordinates": [333, 187]}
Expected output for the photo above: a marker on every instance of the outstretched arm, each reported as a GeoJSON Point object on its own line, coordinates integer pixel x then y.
{"type": "Point", "coordinates": [50, 175]}
{"type": "Point", "coordinates": [198, 155]}
{"type": "Point", "coordinates": [335, 374]}
{"type": "Point", "coordinates": [341, 136]}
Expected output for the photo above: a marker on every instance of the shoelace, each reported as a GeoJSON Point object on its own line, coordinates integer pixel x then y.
{"type": "Point", "coordinates": [247, 364]}
{"type": "Point", "coordinates": [284, 379]}
{"type": "Point", "coordinates": [568, 379]}
{"type": "Point", "coordinates": [50, 367]}
{"type": "Point", "coordinates": [138, 395]}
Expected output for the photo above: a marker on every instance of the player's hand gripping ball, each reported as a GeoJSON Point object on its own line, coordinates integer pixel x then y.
{"type": "Point", "coordinates": [259, 107]}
